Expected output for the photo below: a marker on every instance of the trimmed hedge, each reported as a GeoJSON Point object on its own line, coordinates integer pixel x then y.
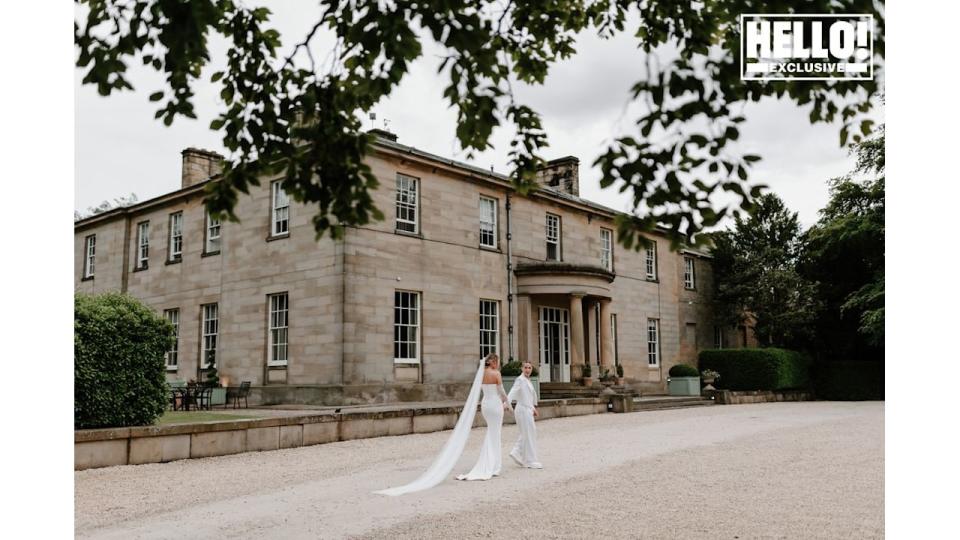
{"type": "Point", "coordinates": [119, 377]}
{"type": "Point", "coordinates": [757, 369]}
{"type": "Point", "coordinates": [683, 370]}
{"type": "Point", "coordinates": [849, 380]}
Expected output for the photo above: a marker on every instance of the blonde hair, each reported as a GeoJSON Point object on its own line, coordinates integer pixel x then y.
{"type": "Point", "coordinates": [490, 358]}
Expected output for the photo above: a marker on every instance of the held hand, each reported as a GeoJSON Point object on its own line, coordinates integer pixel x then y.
{"type": "Point", "coordinates": [536, 412]}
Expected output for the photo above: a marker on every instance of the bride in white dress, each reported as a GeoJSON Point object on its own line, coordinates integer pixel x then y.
{"type": "Point", "coordinates": [494, 403]}
{"type": "Point", "coordinates": [492, 407]}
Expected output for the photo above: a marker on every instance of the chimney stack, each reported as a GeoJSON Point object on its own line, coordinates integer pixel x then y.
{"type": "Point", "coordinates": [561, 174]}
{"type": "Point", "coordinates": [383, 134]}
{"type": "Point", "coordinates": [199, 166]}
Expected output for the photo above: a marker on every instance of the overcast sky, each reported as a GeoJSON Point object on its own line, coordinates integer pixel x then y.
{"type": "Point", "coordinates": [121, 148]}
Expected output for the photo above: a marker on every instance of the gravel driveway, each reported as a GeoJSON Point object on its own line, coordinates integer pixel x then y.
{"type": "Point", "coordinates": [778, 470]}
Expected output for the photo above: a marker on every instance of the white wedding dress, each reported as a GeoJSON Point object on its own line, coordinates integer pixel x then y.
{"type": "Point", "coordinates": [489, 463]}
{"type": "Point", "coordinates": [445, 461]}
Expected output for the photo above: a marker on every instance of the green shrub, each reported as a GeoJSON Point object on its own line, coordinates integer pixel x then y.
{"type": "Point", "coordinates": [683, 370]}
{"type": "Point", "coordinates": [119, 373]}
{"type": "Point", "coordinates": [758, 369]}
{"type": "Point", "coordinates": [619, 370]}
{"type": "Point", "coordinates": [848, 380]}
{"type": "Point", "coordinates": [515, 368]}
{"type": "Point", "coordinates": [587, 370]}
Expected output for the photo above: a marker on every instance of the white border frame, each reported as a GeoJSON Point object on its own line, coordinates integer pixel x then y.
{"type": "Point", "coordinates": [743, 66]}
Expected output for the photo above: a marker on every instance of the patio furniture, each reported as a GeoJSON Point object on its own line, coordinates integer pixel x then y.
{"type": "Point", "coordinates": [177, 389]}
{"type": "Point", "coordinates": [236, 393]}
{"type": "Point", "coordinates": [201, 397]}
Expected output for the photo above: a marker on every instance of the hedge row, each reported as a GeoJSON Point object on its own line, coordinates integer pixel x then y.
{"type": "Point", "coordinates": [757, 369]}
{"type": "Point", "coordinates": [849, 380]}
{"type": "Point", "coordinates": [119, 373]}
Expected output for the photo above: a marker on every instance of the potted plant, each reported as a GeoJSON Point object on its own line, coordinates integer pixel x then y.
{"type": "Point", "coordinates": [587, 379]}
{"type": "Point", "coordinates": [218, 396]}
{"type": "Point", "coordinates": [607, 378]}
{"type": "Point", "coordinates": [684, 380]}
{"type": "Point", "coordinates": [709, 376]}
{"type": "Point", "coordinates": [620, 379]}
{"type": "Point", "coordinates": [512, 369]}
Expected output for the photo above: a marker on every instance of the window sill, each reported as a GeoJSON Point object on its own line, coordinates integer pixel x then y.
{"type": "Point", "coordinates": [172, 369]}
{"type": "Point", "coordinates": [693, 289]}
{"type": "Point", "coordinates": [408, 233]}
{"type": "Point", "coordinates": [491, 249]}
{"type": "Point", "coordinates": [273, 237]}
{"type": "Point", "coordinates": [88, 278]}
{"type": "Point", "coordinates": [178, 260]}
{"type": "Point", "coordinates": [653, 280]}
{"type": "Point", "coordinates": [209, 253]}
{"type": "Point", "coordinates": [277, 366]}
{"type": "Point", "coordinates": [405, 362]}
{"type": "Point", "coordinates": [141, 268]}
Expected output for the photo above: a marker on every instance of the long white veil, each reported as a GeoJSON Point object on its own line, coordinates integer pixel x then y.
{"type": "Point", "coordinates": [444, 462]}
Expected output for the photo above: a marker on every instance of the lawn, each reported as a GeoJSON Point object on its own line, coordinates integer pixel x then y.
{"type": "Point", "coordinates": [189, 417]}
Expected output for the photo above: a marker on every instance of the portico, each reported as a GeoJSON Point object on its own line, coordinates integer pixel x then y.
{"type": "Point", "coordinates": [564, 314]}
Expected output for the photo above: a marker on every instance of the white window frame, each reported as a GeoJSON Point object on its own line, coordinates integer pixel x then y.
{"type": "Point", "coordinates": [210, 334]}
{"type": "Point", "coordinates": [488, 223]}
{"type": "Point", "coordinates": [653, 342]}
{"type": "Point", "coordinates": [143, 244]}
{"type": "Point", "coordinates": [651, 261]}
{"type": "Point", "coordinates": [554, 234]}
{"type": "Point", "coordinates": [175, 246]}
{"type": "Point", "coordinates": [278, 333]}
{"type": "Point", "coordinates": [402, 306]}
{"type": "Point", "coordinates": [212, 244]}
{"type": "Point", "coordinates": [90, 256]}
{"type": "Point", "coordinates": [606, 249]}
{"type": "Point", "coordinates": [689, 274]}
{"type": "Point", "coordinates": [279, 210]}
{"type": "Point", "coordinates": [489, 316]}
{"type": "Point", "coordinates": [408, 204]}
{"type": "Point", "coordinates": [717, 337]}
{"type": "Point", "coordinates": [173, 315]}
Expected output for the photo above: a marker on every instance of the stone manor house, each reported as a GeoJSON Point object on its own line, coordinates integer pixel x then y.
{"type": "Point", "coordinates": [402, 309]}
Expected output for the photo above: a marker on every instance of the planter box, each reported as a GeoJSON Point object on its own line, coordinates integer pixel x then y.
{"type": "Point", "coordinates": [684, 386]}
{"type": "Point", "coordinates": [508, 384]}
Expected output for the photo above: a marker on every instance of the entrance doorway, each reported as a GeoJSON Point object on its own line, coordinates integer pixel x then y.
{"type": "Point", "coordinates": [554, 344]}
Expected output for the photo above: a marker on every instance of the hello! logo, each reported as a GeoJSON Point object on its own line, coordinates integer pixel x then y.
{"type": "Point", "coordinates": [806, 47]}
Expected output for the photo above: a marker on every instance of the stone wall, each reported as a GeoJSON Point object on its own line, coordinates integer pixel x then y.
{"type": "Point", "coordinates": [157, 444]}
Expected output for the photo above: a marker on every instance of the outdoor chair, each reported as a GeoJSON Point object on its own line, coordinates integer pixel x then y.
{"type": "Point", "coordinates": [202, 397]}
{"type": "Point", "coordinates": [236, 393]}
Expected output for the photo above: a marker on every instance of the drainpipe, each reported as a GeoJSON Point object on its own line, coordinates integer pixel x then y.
{"type": "Point", "coordinates": [510, 283]}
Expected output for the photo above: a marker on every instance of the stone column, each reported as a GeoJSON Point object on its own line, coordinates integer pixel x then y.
{"type": "Point", "coordinates": [606, 338]}
{"type": "Point", "coordinates": [576, 336]}
{"type": "Point", "coordinates": [593, 347]}
{"type": "Point", "coordinates": [525, 332]}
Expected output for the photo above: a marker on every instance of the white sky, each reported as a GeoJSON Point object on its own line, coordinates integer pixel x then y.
{"type": "Point", "coordinates": [121, 148]}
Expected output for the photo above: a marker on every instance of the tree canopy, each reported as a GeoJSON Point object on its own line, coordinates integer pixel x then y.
{"type": "Point", "coordinates": [845, 252]}
{"type": "Point", "coordinates": [755, 276]}
{"type": "Point", "coordinates": [301, 122]}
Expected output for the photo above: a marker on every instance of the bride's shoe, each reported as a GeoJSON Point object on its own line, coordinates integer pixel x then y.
{"type": "Point", "coordinates": [535, 466]}
{"type": "Point", "coordinates": [516, 459]}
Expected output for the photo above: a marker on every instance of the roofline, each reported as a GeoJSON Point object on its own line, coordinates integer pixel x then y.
{"type": "Point", "coordinates": [384, 146]}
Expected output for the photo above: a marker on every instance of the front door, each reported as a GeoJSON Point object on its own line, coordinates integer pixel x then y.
{"type": "Point", "coordinates": [554, 345]}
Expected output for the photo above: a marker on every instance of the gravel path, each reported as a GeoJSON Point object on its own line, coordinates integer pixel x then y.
{"type": "Point", "coordinates": [779, 470]}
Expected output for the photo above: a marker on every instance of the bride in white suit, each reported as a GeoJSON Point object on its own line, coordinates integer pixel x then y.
{"type": "Point", "coordinates": [525, 450]}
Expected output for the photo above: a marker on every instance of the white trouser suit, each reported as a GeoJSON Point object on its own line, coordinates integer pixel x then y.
{"type": "Point", "coordinates": [525, 450]}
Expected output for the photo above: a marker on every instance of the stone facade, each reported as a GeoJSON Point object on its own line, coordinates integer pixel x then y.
{"type": "Point", "coordinates": [341, 294]}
